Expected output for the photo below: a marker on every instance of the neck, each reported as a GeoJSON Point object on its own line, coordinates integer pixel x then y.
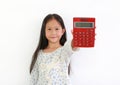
{"type": "Point", "coordinates": [54, 45]}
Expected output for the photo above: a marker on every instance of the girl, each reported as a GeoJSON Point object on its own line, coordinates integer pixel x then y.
{"type": "Point", "coordinates": [50, 62]}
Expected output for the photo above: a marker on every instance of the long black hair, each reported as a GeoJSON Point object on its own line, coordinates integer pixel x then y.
{"type": "Point", "coordinates": [43, 42]}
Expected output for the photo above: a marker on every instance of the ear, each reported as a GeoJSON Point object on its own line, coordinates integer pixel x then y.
{"type": "Point", "coordinates": [63, 30]}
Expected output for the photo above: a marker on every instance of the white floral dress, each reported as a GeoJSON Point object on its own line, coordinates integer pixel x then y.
{"type": "Point", "coordinates": [52, 68]}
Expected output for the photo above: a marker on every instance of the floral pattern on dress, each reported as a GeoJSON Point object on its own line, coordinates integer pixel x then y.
{"type": "Point", "coordinates": [52, 68]}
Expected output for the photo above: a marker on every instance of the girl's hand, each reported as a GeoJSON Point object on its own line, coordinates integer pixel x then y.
{"type": "Point", "coordinates": [72, 32]}
{"type": "Point", "coordinates": [74, 48]}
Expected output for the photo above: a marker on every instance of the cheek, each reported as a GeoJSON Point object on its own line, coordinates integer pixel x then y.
{"type": "Point", "coordinates": [60, 34]}
{"type": "Point", "coordinates": [47, 34]}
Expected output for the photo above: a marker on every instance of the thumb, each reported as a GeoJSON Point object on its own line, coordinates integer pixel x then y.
{"type": "Point", "coordinates": [72, 31]}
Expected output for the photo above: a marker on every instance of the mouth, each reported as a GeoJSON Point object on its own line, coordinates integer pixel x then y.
{"type": "Point", "coordinates": [53, 37]}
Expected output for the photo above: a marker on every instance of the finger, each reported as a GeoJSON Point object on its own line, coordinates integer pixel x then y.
{"type": "Point", "coordinates": [72, 31]}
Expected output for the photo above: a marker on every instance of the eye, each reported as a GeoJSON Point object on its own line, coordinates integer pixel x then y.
{"type": "Point", "coordinates": [49, 29]}
{"type": "Point", "coordinates": [57, 28]}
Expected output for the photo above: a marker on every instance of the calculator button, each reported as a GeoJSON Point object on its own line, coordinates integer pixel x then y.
{"type": "Point", "coordinates": [83, 33]}
{"type": "Point", "coordinates": [87, 33]}
{"type": "Point", "coordinates": [84, 38]}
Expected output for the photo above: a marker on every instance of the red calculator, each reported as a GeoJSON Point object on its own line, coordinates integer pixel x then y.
{"type": "Point", "coordinates": [83, 31]}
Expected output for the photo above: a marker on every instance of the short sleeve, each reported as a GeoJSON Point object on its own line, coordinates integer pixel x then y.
{"type": "Point", "coordinates": [34, 75]}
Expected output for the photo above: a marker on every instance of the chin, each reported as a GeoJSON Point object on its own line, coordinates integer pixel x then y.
{"type": "Point", "coordinates": [54, 41]}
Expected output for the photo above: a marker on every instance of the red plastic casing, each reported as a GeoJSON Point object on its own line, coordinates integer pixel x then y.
{"type": "Point", "coordinates": [84, 36]}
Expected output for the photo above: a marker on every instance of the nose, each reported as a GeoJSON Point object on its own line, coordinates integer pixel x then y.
{"type": "Point", "coordinates": [53, 32]}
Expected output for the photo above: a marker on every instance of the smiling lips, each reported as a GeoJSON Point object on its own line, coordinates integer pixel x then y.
{"type": "Point", "coordinates": [53, 37]}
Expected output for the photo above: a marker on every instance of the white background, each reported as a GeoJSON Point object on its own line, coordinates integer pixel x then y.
{"type": "Point", "coordinates": [20, 22]}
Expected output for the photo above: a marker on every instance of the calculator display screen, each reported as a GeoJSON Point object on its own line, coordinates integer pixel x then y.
{"type": "Point", "coordinates": [83, 24]}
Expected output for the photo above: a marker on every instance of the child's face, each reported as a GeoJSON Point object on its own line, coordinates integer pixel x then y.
{"type": "Point", "coordinates": [53, 31]}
